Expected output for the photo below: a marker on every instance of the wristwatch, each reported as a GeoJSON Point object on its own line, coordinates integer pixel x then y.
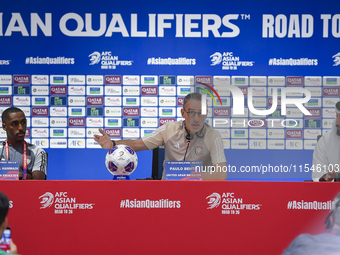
{"type": "Point", "coordinates": [114, 143]}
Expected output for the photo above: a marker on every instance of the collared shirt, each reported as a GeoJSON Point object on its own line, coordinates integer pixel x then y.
{"type": "Point", "coordinates": [208, 149]}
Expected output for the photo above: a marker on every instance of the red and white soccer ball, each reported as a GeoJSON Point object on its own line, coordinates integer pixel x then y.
{"type": "Point", "coordinates": [121, 160]}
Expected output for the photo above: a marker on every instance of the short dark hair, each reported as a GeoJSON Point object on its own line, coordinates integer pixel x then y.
{"type": "Point", "coordinates": [9, 110]}
{"type": "Point", "coordinates": [4, 205]}
{"type": "Point", "coordinates": [194, 96]}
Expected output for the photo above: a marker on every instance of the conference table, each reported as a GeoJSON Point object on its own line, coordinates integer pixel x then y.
{"type": "Point", "coordinates": [164, 217]}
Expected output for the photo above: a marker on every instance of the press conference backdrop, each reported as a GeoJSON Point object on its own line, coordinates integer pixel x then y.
{"type": "Point", "coordinates": [126, 66]}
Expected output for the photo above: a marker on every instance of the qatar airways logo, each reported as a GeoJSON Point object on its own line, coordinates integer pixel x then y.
{"type": "Point", "coordinates": [295, 81]}
{"type": "Point", "coordinates": [22, 79]}
{"type": "Point", "coordinates": [149, 91]}
{"type": "Point", "coordinates": [40, 111]}
{"type": "Point", "coordinates": [258, 123]}
{"type": "Point", "coordinates": [180, 101]}
{"type": "Point", "coordinates": [5, 100]}
{"type": "Point", "coordinates": [207, 80]}
{"type": "Point", "coordinates": [113, 132]}
{"type": "Point", "coordinates": [294, 133]}
{"type": "Point", "coordinates": [331, 92]}
{"type": "Point", "coordinates": [270, 101]}
{"type": "Point", "coordinates": [58, 90]}
{"type": "Point", "coordinates": [163, 121]}
{"type": "Point", "coordinates": [76, 122]}
{"type": "Point", "coordinates": [221, 112]}
{"type": "Point", "coordinates": [94, 101]}
{"type": "Point", "coordinates": [130, 111]}
{"type": "Point", "coordinates": [316, 113]}
{"type": "Point", "coordinates": [113, 80]}
{"type": "Point", "coordinates": [244, 90]}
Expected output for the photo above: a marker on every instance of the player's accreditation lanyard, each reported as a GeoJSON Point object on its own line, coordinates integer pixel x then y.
{"type": "Point", "coordinates": [24, 159]}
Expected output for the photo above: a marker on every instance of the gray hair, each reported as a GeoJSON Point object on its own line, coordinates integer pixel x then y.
{"type": "Point", "coordinates": [194, 96]}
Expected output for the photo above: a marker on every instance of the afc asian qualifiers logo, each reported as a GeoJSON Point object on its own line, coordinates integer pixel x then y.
{"type": "Point", "coordinates": [107, 60]}
{"type": "Point", "coordinates": [46, 200]}
{"type": "Point", "coordinates": [336, 59]}
{"type": "Point", "coordinates": [230, 204]}
{"type": "Point", "coordinates": [94, 58]}
{"type": "Point", "coordinates": [214, 200]}
{"type": "Point", "coordinates": [62, 203]}
{"type": "Point", "coordinates": [229, 61]}
{"type": "Point", "coordinates": [216, 58]}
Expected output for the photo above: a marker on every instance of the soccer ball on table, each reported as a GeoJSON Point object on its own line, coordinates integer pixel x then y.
{"type": "Point", "coordinates": [121, 160]}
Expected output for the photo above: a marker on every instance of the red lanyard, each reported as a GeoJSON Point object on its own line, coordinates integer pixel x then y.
{"type": "Point", "coordinates": [24, 159]}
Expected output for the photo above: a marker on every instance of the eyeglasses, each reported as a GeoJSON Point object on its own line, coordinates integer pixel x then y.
{"type": "Point", "coordinates": [193, 113]}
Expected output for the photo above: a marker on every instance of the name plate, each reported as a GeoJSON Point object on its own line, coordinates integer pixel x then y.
{"type": "Point", "coordinates": [9, 170]}
{"type": "Point", "coordinates": [183, 170]}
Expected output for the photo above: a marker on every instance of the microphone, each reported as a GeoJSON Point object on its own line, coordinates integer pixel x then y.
{"type": "Point", "coordinates": [188, 144]}
{"type": "Point", "coordinates": [188, 137]}
{"type": "Point", "coordinates": [3, 147]}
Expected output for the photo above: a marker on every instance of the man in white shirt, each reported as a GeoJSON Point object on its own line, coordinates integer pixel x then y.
{"type": "Point", "coordinates": [326, 156]}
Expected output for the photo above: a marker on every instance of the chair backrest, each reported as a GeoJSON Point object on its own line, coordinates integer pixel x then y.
{"type": "Point", "coordinates": [157, 162]}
